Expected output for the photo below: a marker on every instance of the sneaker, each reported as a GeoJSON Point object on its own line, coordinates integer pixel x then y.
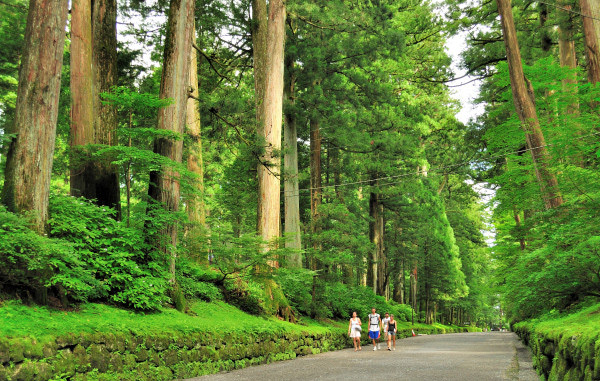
{"type": "Point", "coordinates": [394, 348]}
{"type": "Point", "coordinates": [374, 348]}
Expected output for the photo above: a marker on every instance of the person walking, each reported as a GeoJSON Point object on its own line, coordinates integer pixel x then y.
{"type": "Point", "coordinates": [391, 332]}
{"type": "Point", "coordinates": [384, 322]}
{"type": "Point", "coordinates": [354, 331]}
{"type": "Point", "coordinates": [374, 327]}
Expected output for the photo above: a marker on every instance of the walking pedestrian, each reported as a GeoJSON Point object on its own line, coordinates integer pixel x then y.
{"type": "Point", "coordinates": [391, 332]}
{"type": "Point", "coordinates": [354, 331]}
{"type": "Point", "coordinates": [384, 321]}
{"type": "Point", "coordinates": [374, 327]}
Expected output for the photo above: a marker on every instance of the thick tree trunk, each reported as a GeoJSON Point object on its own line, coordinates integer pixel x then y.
{"type": "Point", "coordinates": [105, 185]}
{"type": "Point", "coordinates": [270, 121]}
{"type": "Point", "coordinates": [195, 205]}
{"type": "Point", "coordinates": [93, 71]}
{"type": "Point", "coordinates": [291, 189]}
{"type": "Point", "coordinates": [399, 285]}
{"type": "Point", "coordinates": [82, 90]}
{"type": "Point", "coordinates": [595, 13]}
{"type": "Point", "coordinates": [525, 107]}
{"type": "Point", "coordinates": [591, 41]}
{"type": "Point", "coordinates": [30, 153]}
{"type": "Point", "coordinates": [164, 185]}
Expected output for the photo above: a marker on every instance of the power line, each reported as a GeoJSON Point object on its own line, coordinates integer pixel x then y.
{"type": "Point", "coordinates": [437, 170]}
{"type": "Point", "coordinates": [569, 10]}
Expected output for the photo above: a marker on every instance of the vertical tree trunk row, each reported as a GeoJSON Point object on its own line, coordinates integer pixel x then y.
{"type": "Point", "coordinates": [30, 153]}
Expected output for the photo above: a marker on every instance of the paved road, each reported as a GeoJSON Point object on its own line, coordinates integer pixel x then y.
{"type": "Point", "coordinates": [463, 356]}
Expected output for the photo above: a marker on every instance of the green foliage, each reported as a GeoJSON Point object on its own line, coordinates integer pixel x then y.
{"type": "Point", "coordinates": [32, 263]}
{"type": "Point", "coordinates": [126, 268]}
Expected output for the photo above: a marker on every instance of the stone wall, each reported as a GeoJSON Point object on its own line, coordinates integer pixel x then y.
{"type": "Point", "coordinates": [559, 356]}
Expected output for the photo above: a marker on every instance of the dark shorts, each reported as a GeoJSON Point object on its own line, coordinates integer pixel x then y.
{"type": "Point", "coordinates": [374, 334]}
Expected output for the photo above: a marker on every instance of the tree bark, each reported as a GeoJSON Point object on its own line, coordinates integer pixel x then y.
{"type": "Point", "coordinates": [195, 205]}
{"type": "Point", "coordinates": [82, 90]}
{"type": "Point", "coordinates": [30, 153]}
{"type": "Point", "coordinates": [377, 269]}
{"type": "Point", "coordinates": [316, 184]}
{"type": "Point", "coordinates": [94, 71]}
{"type": "Point", "coordinates": [270, 120]}
{"type": "Point", "coordinates": [104, 62]}
{"type": "Point", "coordinates": [164, 184]}
{"type": "Point", "coordinates": [525, 107]}
{"type": "Point", "coordinates": [595, 13]}
{"type": "Point", "coordinates": [591, 41]}
{"type": "Point", "coordinates": [566, 45]}
{"type": "Point", "coordinates": [291, 189]}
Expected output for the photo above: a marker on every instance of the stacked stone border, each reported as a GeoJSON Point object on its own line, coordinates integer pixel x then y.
{"type": "Point", "coordinates": [163, 356]}
{"type": "Point", "coordinates": [560, 356]}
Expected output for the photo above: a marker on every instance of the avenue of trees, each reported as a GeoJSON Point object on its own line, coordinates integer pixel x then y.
{"type": "Point", "coordinates": [299, 157]}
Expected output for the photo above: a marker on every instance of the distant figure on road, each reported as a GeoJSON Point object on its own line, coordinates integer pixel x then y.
{"type": "Point", "coordinates": [374, 327]}
{"type": "Point", "coordinates": [354, 330]}
{"type": "Point", "coordinates": [391, 332]}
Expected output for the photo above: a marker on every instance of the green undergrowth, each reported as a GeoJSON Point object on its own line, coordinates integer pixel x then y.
{"type": "Point", "coordinates": [565, 346]}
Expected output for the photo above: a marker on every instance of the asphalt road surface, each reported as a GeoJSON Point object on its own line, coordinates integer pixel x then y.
{"type": "Point", "coordinates": [462, 356]}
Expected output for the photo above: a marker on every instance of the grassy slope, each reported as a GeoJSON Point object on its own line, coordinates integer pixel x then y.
{"type": "Point", "coordinates": [17, 320]}
{"type": "Point", "coordinates": [584, 322]}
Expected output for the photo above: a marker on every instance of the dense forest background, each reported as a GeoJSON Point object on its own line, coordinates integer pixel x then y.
{"type": "Point", "coordinates": [301, 157]}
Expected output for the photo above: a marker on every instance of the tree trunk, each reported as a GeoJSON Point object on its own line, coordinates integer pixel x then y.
{"type": "Point", "coordinates": [595, 13]}
{"type": "Point", "coordinates": [30, 153]}
{"type": "Point", "coordinates": [270, 120]}
{"type": "Point", "coordinates": [591, 41]}
{"type": "Point", "coordinates": [195, 205]}
{"type": "Point", "coordinates": [566, 51]}
{"type": "Point", "coordinates": [291, 189]}
{"type": "Point", "coordinates": [93, 71]}
{"type": "Point", "coordinates": [525, 107]}
{"type": "Point", "coordinates": [315, 174]}
{"type": "Point", "coordinates": [164, 184]}
{"type": "Point", "coordinates": [106, 187]}
{"type": "Point", "coordinates": [82, 89]}
{"type": "Point", "coordinates": [377, 263]}
{"type": "Point", "coordinates": [399, 284]}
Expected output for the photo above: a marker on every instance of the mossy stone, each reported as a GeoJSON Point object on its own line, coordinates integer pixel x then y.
{"type": "Point", "coordinates": [44, 371]}
{"type": "Point", "coordinates": [15, 351]}
{"type": "Point", "coordinates": [115, 362]}
{"type": "Point", "coordinates": [3, 373]}
{"type": "Point", "coordinates": [170, 357]}
{"type": "Point", "coordinates": [67, 340]}
{"type": "Point", "coordinates": [155, 358]}
{"type": "Point", "coordinates": [141, 354]}
{"type": "Point", "coordinates": [129, 361]}
{"type": "Point", "coordinates": [98, 357]}
{"type": "Point", "coordinates": [50, 349]}
{"type": "Point", "coordinates": [4, 347]}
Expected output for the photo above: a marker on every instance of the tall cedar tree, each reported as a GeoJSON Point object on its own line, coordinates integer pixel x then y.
{"type": "Point", "coordinates": [164, 184]}
{"type": "Point", "coordinates": [30, 154]}
{"type": "Point", "coordinates": [93, 71]}
{"type": "Point", "coordinates": [525, 106]}
{"type": "Point", "coordinates": [268, 63]}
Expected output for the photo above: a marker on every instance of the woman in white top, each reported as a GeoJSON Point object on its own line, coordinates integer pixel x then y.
{"type": "Point", "coordinates": [354, 329]}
